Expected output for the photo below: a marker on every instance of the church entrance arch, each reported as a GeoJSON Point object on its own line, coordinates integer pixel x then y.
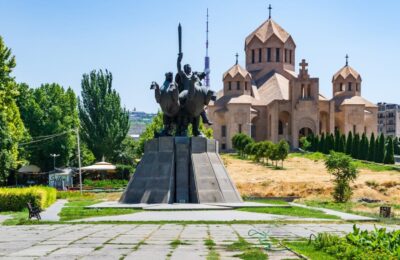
{"type": "Point", "coordinates": [305, 131]}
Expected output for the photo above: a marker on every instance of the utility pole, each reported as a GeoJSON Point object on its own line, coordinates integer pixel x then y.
{"type": "Point", "coordinates": [54, 159]}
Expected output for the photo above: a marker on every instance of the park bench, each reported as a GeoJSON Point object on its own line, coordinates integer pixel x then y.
{"type": "Point", "coordinates": [34, 212]}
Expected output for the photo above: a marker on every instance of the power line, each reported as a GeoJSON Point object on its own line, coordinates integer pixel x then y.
{"type": "Point", "coordinates": [44, 139]}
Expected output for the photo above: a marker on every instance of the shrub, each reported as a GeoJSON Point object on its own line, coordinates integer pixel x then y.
{"type": "Point", "coordinates": [343, 169]}
{"type": "Point", "coordinates": [106, 184]}
{"type": "Point", "coordinates": [15, 199]}
{"type": "Point", "coordinates": [124, 171]}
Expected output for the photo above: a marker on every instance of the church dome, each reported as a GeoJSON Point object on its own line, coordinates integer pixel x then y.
{"type": "Point", "coordinates": [345, 72]}
{"type": "Point", "coordinates": [267, 30]}
{"type": "Point", "coordinates": [235, 70]}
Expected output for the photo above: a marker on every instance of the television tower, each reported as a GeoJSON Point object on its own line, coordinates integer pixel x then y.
{"type": "Point", "coordinates": [207, 59]}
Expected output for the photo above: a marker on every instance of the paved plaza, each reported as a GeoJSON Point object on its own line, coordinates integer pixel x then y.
{"type": "Point", "coordinates": [147, 241]}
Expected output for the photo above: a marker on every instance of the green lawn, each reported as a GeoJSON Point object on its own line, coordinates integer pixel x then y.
{"type": "Point", "coordinates": [267, 201]}
{"type": "Point", "coordinates": [292, 211]}
{"type": "Point", "coordinates": [76, 210]}
{"type": "Point", "coordinates": [308, 250]}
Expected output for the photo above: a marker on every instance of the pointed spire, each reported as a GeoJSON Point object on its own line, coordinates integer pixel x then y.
{"type": "Point", "coordinates": [237, 58]}
{"type": "Point", "coordinates": [347, 60]}
{"type": "Point", "coordinates": [269, 8]}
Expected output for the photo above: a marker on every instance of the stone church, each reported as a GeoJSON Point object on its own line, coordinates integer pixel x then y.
{"type": "Point", "coordinates": [270, 101]}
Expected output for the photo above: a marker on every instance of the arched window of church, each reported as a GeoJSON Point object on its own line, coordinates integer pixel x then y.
{"type": "Point", "coordinates": [240, 128]}
{"type": "Point", "coordinates": [290, 56]}
{"type": "Point", "coordinates": [302, 94]}
{"type": "Point", "coordinates": [341, 87]}
{"type": "Point", "coordinates": [229, 85]}
{"type": "Point", "coordinates": [253, 56]}
{"type": "Point", "coordinates": [309, 91]}
{"type": "Point", "coordinates": [357, 87]}
{"type": "Point", "coordinates": [280, 128]}
{"type": "Point", "coordinates": [268, 54]}
{"type": "Point", "coordinates": [278, 54]}
{"type": "Point", "coordinates": [238, 85]}
{"type": "Point", "coordinates": [349, 86]}
{"type": "Point", "coordinates": [245, 85]}
{"type": "Point", "coordinates": [259, 55]}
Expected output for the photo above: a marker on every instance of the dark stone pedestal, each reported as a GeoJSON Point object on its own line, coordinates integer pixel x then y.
{"type": "Point", "coordinates": [181, 170]}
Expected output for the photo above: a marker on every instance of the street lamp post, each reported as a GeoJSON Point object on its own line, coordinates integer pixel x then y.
{"type": "Point", "coordinates": [54, 159]}
{"type": "Point", "coordinates": [79, 157]}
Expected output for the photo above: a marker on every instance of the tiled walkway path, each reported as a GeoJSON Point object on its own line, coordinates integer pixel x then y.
{"type": "Point", "coordinates": [144, 241]}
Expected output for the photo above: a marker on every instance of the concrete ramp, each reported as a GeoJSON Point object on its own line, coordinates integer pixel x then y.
{"type": "Point", "coordinates": [181, 170]}
{"type": "Point", "coordinates": [154, 178]}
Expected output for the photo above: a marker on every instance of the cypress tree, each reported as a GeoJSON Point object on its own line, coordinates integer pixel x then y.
{"type": "Point", "coordinates": [396, 146]}
{"type": "Point", "coordinates": [363, 152]}
{"type": "Point", "coordinates": [349, 143]}
{"type": "Point", "coordinates": [371, 152]}
{"type": "Point", "coordinates": [342, 144]}
{"type": "Point", "coordinates": [380, 151]}
{"type": "Point", "coordinates": [331, 143]}
{"type": "Point", "coordinates": [321, 144]}
{"type": "Point", "coordinates": [337, 140]}
{"type": "Point", "coordinates": [356, 147]}
{"type": "Point", "coordinates": [389, 156]}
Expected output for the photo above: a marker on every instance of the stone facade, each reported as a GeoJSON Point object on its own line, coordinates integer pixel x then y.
{"type": "Point", "coordinates": [389, 119]}
{"type": "Point", "coordinates": [270, 101]}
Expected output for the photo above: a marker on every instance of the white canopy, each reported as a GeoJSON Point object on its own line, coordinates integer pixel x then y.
{"type": "Point", "coordinates": [100, 166]}
{"type": "Point", "coordinates": [29, 169]}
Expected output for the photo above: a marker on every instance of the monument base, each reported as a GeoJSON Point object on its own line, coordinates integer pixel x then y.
{"type": "Point", "coordinates": [181, 170]}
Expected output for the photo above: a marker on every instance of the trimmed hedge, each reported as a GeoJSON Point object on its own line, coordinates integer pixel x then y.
{"type": "Point", "coordinates": [15, 199]}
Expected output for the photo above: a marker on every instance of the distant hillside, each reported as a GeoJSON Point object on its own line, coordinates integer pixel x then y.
{"type": "Point", "coordinates": [139, 120]}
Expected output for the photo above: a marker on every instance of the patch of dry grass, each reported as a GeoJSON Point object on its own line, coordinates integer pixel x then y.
{"type": "Point", "coordinates": [308, 179]}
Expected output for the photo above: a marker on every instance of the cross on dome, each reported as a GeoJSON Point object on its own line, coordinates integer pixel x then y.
{"type": "Point", "coordinates": [269, 8]}
{"type": "Point", "coordinates": [347, 60]}
{"type": "Point", "coordinates": [237, 58]}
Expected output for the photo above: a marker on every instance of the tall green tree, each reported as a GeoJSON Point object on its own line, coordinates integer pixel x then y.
{"type": "Point", "coordinates": [12, 129]}
{"type": "Point", "coordinates": [49, 110]}
{"type": "Point", "coordinates": [104, 122]}
{"type": "Point", "coordinates": [282, 150]}
{"type": "Point", "coordinates": [396, 146]}
{"type": "Point", "coordinates": [356, 147]}
{"type": "Point", "coordinates": [389, 155]}
{"type": "Point", "coordinates": [337, 140]}
{"type": "Point", "coordinates": [380, 152]}
{"type": "Point", "coordinates": [371, 152]}
{"type": "Point", "coordinates": [342, 144]}
{"type": "Point", "coordinates": [349, 143]}
{"type": "Point", "coordinates": [363, 149]}
{"type": "Point", "coordinates": [322, 143]}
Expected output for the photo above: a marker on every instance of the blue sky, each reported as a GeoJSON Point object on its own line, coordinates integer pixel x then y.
{"type": "Point", "coordinates": [58, 41]}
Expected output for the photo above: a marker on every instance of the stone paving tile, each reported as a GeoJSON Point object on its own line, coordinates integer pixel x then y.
{"type": "Point", "coordinates": [41, 250]}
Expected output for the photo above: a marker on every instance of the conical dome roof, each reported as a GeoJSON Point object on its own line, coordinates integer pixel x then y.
{"type": "Point", "coordinates": [266, 30]}
{"type": "Point", "coordinates": [236, 69]}
{"type": "Point", "coordinates": [345, 72]}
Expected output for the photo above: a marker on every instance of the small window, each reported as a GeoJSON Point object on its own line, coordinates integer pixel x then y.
{"type": "Point", "coordinates": [268, 54]}
{"type": "Point", "coordinates": [229, 85]}
{"type": "Point", "coordinates": [341, 87]}
{"type": "Point", "coordinates": [223, 131]}
{"type": "Point", "coordinates": [349, 86]}
{"type": "Point", "coordinates": [354, 129]}
{"type": "Point", "coordinates": [259, 55]}
{"type": "Point", "coordinates": [238, 85]}
{"type": "Point", "coordinates": [253, 131]}
{"type": "Point", "coordinates": [290, 56]}
{"type": "Point", "coordinates": [309, 91]}
{"type": "Point", "coordinates": [240, 128]}
{"type": "Point", "coordinates": [223, 146]}
{"type": "Point", "coordinates": [357, 87]}
{"type": "Point", "coordinates": [245, 85]}
{"type": "Point", "coordinates": [286, 55]}
{"type": "Point", "coordinates": [253, 56]}
{"type": "Point", "coordinates": [278, 54]}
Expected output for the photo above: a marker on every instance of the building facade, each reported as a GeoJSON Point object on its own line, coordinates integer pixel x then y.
{"type": "Point", "coordinates": [269, 100]}
{"type": "Point", "coordinates": [389, 119]}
